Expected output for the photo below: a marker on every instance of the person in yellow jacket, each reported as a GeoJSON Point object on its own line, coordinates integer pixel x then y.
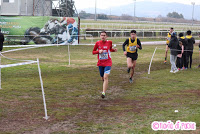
{"type": "Point", "coordinates": [133, 43]}
{"type": "Point", "coordinates": [167, 42]}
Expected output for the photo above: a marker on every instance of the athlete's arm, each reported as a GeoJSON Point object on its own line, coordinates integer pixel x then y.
{"type": "Point", "coordinates": [111, 49]}
{"type": "Point", "coordinates": [139, 45]}
{"type": "Point", "coordinates": [95, 51]}
{"type": "Point", "coordinates": [125, 43]}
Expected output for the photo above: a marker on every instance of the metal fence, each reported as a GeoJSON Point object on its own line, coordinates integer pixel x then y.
{"type": "Point", "coordinates": [143, 33]}
{"type": "Point", "coordinates": [111, 26]}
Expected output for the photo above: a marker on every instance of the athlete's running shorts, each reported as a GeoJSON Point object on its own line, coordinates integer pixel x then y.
{"type": "Point", "coordinates": [133, 56]}
{"type": "Point", "coordinates": [104, 70]}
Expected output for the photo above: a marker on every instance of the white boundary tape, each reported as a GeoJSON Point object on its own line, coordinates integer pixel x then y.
{"type": "Point", "coordinates": [69, 53]}
{"type": "Point", "coordinates": [151, 60]}
{"type": "Point", "coordinates": [29, 47]}
{"type": "Point", "coordinates": [180, 50]}
{"type": "Point", "coordinates": [26, 63]}
{"type": "Point", "coordinates": [43, 94]}
{"type": "Point", "coordinates": [17, 64]}
{"type": "Point", "coordinates": [37, 46]}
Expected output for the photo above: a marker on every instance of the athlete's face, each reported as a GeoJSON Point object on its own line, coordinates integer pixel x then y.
{"type": "Point", "coordinates": [171, 30]}
{"type": "Point", "coordinates": [103, 36]}
{"type": "Point", "coordinates": [133, 35]}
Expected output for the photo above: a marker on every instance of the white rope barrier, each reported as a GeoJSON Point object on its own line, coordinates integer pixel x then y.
{"type": "Point", "coordinates": [26, 63]}
{"type": "Point", "coordinates": [69, 53]}
{"type": "Point", "coordinates": [17, 64]}
{"type": "Point", "coordinates": [152, 60]}
{"type": "Point", "coordinates": [43, 94]}
{"type": "Point", "coordinates": [179, 50]}
{"type": "Point", "coordinates": [33, 46]}
{"type": "Point", "coordinates": [13, 58]}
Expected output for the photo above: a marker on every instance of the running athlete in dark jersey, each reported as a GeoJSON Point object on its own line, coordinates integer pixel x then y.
{"type": "Point", "coordinates": [133, 44]}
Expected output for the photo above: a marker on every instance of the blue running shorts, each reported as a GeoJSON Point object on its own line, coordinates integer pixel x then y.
{"type": "Point", "coordinates": [105, 70]}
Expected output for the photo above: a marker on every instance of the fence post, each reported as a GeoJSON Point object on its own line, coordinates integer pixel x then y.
{"type": "Point", "coordinates": [143, 33]}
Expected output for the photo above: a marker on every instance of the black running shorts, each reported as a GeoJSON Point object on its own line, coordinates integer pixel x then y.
{"type": "Point", "coordinates": [133, 56]}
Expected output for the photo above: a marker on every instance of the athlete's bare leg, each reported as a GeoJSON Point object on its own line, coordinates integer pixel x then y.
{"type": "Point", "coordinates": [133, 68]}
{"type": "Point", "coordinates": [105, 83]}
{"type": "Point", "coordinates": [129, 63]}
{"type": "Point", "coordinates": [166, 51]}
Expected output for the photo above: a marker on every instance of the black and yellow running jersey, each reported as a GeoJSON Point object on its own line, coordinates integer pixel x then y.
{"type": "Point", "coordinates": [131, 45]}
{"type": "Point", "coordinates": [168, 38]}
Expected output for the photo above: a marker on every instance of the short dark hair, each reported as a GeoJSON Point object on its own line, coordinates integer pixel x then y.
{"type": "Point", "coordinates": [103, 32]}
{"type": "Point", "coordinates": [133, 31]}
{"type": "Point", "coordinates": [189, 32]}
{"type": "Point", "coordinates": [180, 35]}
{"type": "Point", "coordinates": [172, 28]}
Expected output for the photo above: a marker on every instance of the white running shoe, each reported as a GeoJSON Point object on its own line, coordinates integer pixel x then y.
{"type": "Point", "coordinates": [171, 71]}
{"type": "Point", "coordinates": [176, 71]}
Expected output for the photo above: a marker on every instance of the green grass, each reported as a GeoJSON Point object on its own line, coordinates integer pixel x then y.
{"type": "Point", "coordinates": [73, 93]}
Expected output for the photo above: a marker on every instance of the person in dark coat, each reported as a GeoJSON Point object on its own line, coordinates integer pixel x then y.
{"type": "Point", "coordinates": [191, 42]}
{"type": "Point", "coordinates": [1, 40]}
{"type": "Point", "coordinates": [173, 45]}
{"type": "Point", "coordinates": [184, 55]}
{"type": "Point", "coordinates": [179, 61]}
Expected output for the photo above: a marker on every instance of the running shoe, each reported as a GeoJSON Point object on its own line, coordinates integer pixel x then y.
{"type": "Point", "coordinates": [130, 80]}
{"type": "Point", "coordinates": [103, 95]}
{"type": "Point", "coordinates": [165, 61]}
{"type": "Point", "coordinates": [176, 71]}
{"type": "Point", "coordinates": [171, 71]}
{"type": "Point", "coordinates": [128, 70]}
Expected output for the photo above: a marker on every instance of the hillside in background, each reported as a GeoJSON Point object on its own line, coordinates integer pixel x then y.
{"type": "Point", "coordinates": [150, 10]}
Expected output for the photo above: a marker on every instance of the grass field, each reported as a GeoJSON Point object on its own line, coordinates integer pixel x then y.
{"type": "Point", "coordinates": [73, 93]}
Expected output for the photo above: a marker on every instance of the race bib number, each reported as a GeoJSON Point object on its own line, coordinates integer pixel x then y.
{"type": "Point", "coordinates": [132, 48]}
{"type": "Point", "coordinates": [103, 56]}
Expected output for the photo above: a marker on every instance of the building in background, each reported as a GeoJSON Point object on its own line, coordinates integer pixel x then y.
{"type": "Point", "coordinates": [37, 8]}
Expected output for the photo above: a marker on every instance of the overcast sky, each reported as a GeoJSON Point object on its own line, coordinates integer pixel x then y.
{"type": "Point", "coordinates": [103, 4]}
